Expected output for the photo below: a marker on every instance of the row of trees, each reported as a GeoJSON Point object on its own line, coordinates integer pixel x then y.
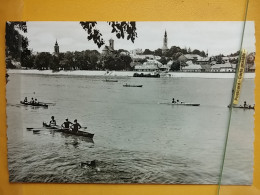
{"type": "Point", "coordinates": [83, 60]}
{"type": "Point", "coordinates": [174, 52]}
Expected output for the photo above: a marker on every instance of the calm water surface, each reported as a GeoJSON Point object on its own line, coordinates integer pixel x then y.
{"type": "Point", "coordinates": [136, 139]}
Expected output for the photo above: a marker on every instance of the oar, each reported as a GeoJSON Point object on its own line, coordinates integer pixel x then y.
{"type": "Point", "coordinates": [38, 130]}
{"type": "Point", "coordinates": [32, 128]}
{"type": "Point", "coordinates": [48, 103]}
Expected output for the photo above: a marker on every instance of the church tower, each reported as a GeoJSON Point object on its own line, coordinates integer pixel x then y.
{"type": "Point", "coordinates": [111, 44]}
{"type": "Point", "coordinates": [165, 43]}
{"type": "Point", "coordinates": [56, 48]}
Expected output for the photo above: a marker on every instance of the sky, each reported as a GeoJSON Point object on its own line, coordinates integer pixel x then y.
{"type": "Point", "coordinates": [214, 37]}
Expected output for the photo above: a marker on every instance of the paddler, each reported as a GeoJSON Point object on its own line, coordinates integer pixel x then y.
{"type": "Point", "coordinates": [32, 101]}
{"type": "Point", "coordinates": [245, 106]}
{"type": "Point", "coordinates": [173, 101]}
{"type": "Point", "coordinates": [52, 122]}
{"type": "Point", "coordinates": [75, 126]}
{"type": "Point", "coordinates": [66, 124]}
{"type": "Point", "coordinates": [25, 100]}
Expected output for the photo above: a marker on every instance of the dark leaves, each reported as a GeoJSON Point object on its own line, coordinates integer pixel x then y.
{"type": "Point", "coordinates": [121, 29]}
{"type": "Point", "coordinates": [93, 33]}
{"type": "Point", "coordinates": [124, 28]}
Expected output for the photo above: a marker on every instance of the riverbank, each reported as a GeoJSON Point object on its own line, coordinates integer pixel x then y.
{"type": "Point", "coordinates": [130, 73]}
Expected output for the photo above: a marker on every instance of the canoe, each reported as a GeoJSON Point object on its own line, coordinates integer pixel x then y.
{"type": "Point", "coordinates": [78, 133]}
{"type": "Point", "coordinates": [110, 80]}
{"type": "Point", "coordinates": [126, 85]}
{"type": "Point", "coordinates": [38, 104]}
{"type": "Point", "coordinates": [68, 131]}
{"type": "Point", "coordinates": [180, 104]}
{"type": "Point", "coordinates": [242, 107]}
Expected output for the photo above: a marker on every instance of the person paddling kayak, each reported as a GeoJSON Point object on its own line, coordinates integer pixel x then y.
{"type": "Point", "coordinates": [75, 126]}
{"type": "Point", "coordinates": [52, 122]}
{"type": "Point", "coordinates": [32, 101]}
{"type": "Point", "coordinates": [25, 100]}
{"type": "Point", "coordinates": [66, 124]}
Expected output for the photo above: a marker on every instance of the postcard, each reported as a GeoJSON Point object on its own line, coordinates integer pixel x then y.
{"type": "Point", "coordinates": [129, 102]}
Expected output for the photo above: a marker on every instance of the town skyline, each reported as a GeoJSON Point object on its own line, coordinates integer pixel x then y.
{"type": "Point", "coordinates": [214, 37]}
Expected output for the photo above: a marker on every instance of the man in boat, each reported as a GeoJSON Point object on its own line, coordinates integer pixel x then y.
{"type": "Point", "coordinates": [75, 126]}
{"type": "Point", "coordinates": [66, 124]}
{"type": "Point", "coordinates": [36, 102]}
{"type": "Point", "coordinates": [25, 100]}
{"type": "Point", "coordinates": [173, 101]}
{"type": "Point", "coordinates": [52, 122]}
{"type": "Point", "coordinates": [245, 106]}
{"type": "Point", "coordinates": [32, 101]}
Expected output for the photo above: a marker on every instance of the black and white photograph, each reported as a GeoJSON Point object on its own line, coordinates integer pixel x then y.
{"type": "Point", "coordinates": [129, 102]}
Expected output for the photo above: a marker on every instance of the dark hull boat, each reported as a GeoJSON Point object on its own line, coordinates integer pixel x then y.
{"type": "Point", "coordinates": [62, 130]}
{"type": "Point", "coordinates": [110, 80]}
{"type": "Point", "coordinates": [147, 75]}
{"type": "Point", "coordinates": [180, 104]}
{"type": "Point", "coordinates": [34, 104]}
{"type": "Point", "coordinates": [127, 85]}
{"type": "Point", "coordinates": [245, 108]}
{"type": "Point", "coordinates": [68, 131]}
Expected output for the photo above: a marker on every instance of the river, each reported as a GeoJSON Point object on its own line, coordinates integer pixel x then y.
{"type": "Point", "coordinates": [137, 140]}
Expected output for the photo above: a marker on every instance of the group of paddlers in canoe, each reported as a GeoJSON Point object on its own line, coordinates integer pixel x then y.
{"type": "Point", "coordinates": [33, 102]}
{"type": "Point", "coordinates": [74, 127]}
{"type": "Point", "coordinates": [245, 106]}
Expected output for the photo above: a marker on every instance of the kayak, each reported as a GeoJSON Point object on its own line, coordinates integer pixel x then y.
{"type": "Point", "coordinates": [242, 107]}
{"type": "Point", "coordinates": [37, 104]}
{"type": "Point", "coordinates": [78, 133]}
{"type": "Point", "coordinates": [68, 131]}
{"type": "Point", "coordinates": [110, 80]}
{"type": "Point", "coordinates": [126, 85]}
{"type": "Point", "coordinates": [180, 104]}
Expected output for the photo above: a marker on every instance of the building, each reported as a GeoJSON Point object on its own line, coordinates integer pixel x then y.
{"type": "Point", "coordinates": [108, 49]}
{"type": "Point", "coordinates": [191, 67]}
{"type": "Point", "coordinates": [203, 61]}
{"type": "Point", "coordinates": [136, 51]}
{"type": "Point", "coordinates": [165, 43]}
{"type": "Point", "coordinates": [227, 67]}
{"type": "Point", "coordinates": [189, 57]}
{"type": "Point", "coordinates": [56, 49]}
{"type": "Point", "coordinates": [149, 66]}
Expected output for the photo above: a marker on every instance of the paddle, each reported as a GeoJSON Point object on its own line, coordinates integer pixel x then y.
{"type": "Point", "coordinates": [47, 103]}
{"type": "Point", "coordinates": [44, 129]}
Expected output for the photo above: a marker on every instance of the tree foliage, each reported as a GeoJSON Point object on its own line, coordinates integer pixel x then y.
{"type": "Point", "coordinates": [43, 61]}
{"type": "Point", "coordinates": [175, 65]}
{"type": "Point", "coordinates": [121, 29]}
{"type": "Point", "coordinates": [16, 43]}
{"type": "Point", "coordinates": [116, 62]}
{"type": "Point", "coordinates": [148, 52]}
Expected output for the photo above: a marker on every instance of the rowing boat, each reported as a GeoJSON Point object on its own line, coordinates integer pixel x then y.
{"type": "Point", "coordinates": [242, 107]}
{"type": "Point", "coordinates": [127, 85]}
{"type": "Point", "coordinates": [110, 80]}
{"type": "Point", "coordinates": [34, 104]}
{"type": "Point", "coordinates": [68, 131]}
{"type": "Point", "coordinates": [180, 104]}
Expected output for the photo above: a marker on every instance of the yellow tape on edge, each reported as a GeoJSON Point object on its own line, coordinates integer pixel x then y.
{"type": "Point", "coordinates": [240, 76]}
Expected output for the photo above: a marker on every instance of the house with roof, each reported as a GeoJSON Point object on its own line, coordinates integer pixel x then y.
{"type": "Point", "coordinates": [189, 57]}
{"type": "Point", "coordinates": [191, 67]}
{"type": "Point", "coordinates": [149, 66]}
{"type": "Point", "coordinates": [227, 67]}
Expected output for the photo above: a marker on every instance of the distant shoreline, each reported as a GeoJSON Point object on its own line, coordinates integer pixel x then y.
{"type": "Point", "coordinates": [226, 75]}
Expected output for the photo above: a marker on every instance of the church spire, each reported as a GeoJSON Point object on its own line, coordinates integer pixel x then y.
{"type": "Point", "coordinates": [56, 48]}
{"type": "Point", "coordinates": [165, 42]}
